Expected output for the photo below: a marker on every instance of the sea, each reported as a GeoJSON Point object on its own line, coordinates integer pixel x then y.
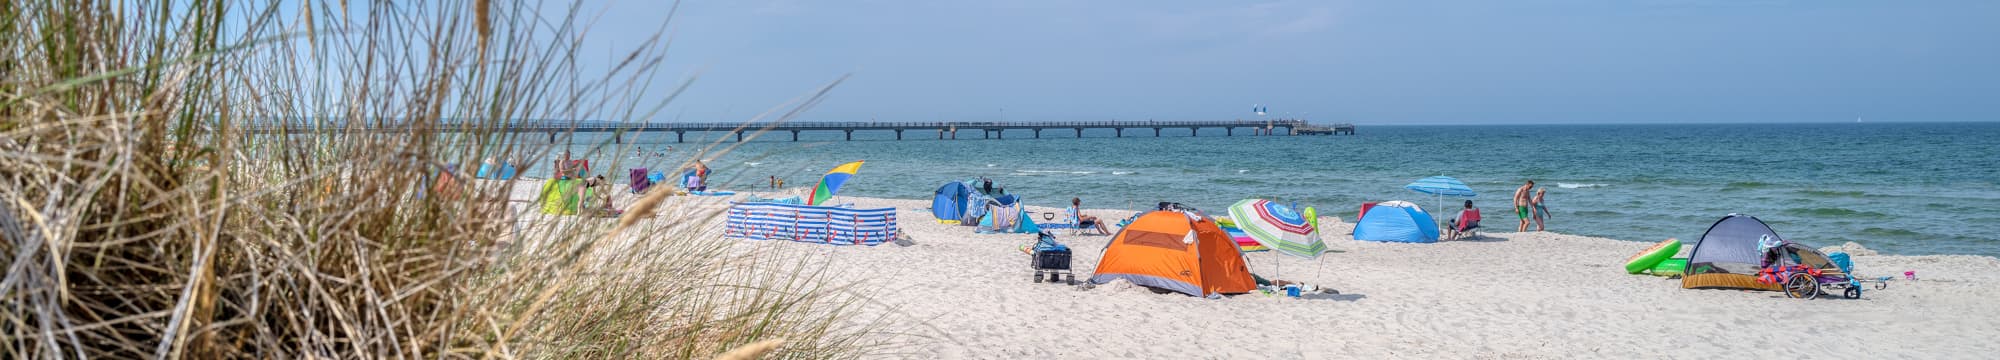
{"type": "Point", "coordinates": [1898, 188]}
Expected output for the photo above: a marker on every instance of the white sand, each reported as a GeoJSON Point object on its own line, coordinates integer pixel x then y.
{"type": "Point", "coordinates": [1508, 295]}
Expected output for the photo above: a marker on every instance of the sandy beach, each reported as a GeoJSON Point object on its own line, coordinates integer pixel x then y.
{"type": "Point", "coordinates": [958, 294]}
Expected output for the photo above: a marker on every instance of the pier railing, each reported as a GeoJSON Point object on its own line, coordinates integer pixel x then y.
{"type": "Point", "coordinates": [998, 128]}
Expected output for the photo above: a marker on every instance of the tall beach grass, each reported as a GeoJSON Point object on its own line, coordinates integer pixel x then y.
{"type": "Point", "coordinates": [143, 214]}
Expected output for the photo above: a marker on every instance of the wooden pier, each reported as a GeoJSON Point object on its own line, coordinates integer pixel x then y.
{"type": "Point", "coordinates": [944, 130]}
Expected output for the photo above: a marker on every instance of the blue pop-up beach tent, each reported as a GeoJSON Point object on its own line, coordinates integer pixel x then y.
{"type": "Point", "coordinates": [951, 200]}
{"type": "Point", "coordinates": [1396, 221]}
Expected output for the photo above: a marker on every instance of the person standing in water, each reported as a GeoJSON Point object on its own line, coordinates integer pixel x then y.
{"type": "Point", "coordinates": [1541, 212]}
{"type": "Point", "coordinates": [1522, 203]}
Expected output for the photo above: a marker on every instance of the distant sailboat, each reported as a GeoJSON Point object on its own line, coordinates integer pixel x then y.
{"type": "Point", "coordinates": [1857, 119]}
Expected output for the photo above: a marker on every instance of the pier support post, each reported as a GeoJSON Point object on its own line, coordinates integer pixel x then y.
{"type": "Point", "coordinates": [739, 136]}
{"type": "Point", "coordinates": [850, 135]}
{"type": "Point", "coordinates": [1228, 131]}
{"type": "Point", "coordinates": [940, 134]}
{"type": "Point", "coordinates": [618, 137]}
{"type": "Point", "coordinates": [1193, 131]}
{"type": "Point", "coordinates": [986, 133]}
{"type": "Point", "coordinates": [795, 135]}
{"type": "Point", "coordinates": [1000, 134]}
{"type": "Point", "coordinates": [680, 136]}
{"type": "Point", "coordinates": [1119, 132]}
{"type": "Point", "coordinates": [1038, 133]}
{"type": "Point", "coordinates": [1156, 132]}
{"type": "Point", "coordinates": [1079, 133]}
{"type": "Point", "coordinates": [552, 137]}
{"type": "Point", "coordinates": [899, 134]}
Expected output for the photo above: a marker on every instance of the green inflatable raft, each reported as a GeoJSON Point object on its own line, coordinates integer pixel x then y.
{"type": "Point", "coordinates": [1645, 260]}
{"type": "Point", "coordinates": [1670, 267]}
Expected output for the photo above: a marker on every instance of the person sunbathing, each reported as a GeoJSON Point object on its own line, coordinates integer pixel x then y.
{"type": "Point", "coordinates": [600, 205]}
{"type": "Point", "coordinates": [1076, 207]}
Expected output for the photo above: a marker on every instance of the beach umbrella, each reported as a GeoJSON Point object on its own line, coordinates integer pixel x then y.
{"type": "Point", "coordinates": [1278, 227]}
{"type": "Point", "coordinates": [830, 184]}
{"type": "Point", "coordinates": [1441, 186]}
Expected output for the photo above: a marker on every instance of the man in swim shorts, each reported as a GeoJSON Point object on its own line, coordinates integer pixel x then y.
{"type": "Point", "coordinates": [1521, 204]}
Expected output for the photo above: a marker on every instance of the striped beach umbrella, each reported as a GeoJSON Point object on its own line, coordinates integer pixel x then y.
{"type": "Point", "coordinates": [1441, 186]}
{"type": "Point", "coordinates": [1278, 227]}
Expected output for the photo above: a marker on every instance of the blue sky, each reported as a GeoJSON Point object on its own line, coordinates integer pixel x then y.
{"type": "Point", "coordinates": [1367, 62]}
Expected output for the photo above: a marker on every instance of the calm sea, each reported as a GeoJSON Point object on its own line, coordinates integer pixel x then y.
{"type": "Point", "coordinates": [1898, 188]}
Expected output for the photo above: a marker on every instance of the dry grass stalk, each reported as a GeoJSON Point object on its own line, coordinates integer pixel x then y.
{"type": "Point", "coordinates": [143, 214]}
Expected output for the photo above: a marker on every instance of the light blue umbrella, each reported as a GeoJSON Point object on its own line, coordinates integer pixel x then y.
{"type": "Point", "coordinates": [1441, 186]}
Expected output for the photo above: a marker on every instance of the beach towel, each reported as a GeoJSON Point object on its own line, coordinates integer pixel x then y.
{"type": "Point", "coordinates": [639, 181]}
{"type": "Point", "coordinates": [558, 197]}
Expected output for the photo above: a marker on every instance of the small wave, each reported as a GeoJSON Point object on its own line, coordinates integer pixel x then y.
{"type": "Point", "coordinates": [1875, 231]}
{"type": "Point", "coordinates": [989, 165]}
{"type": "Point", "coordinates": [752, 163]}
{"type": "Point", "coordinates": [1123, 172]}
{"type": "Point", "coordinates": [1082, 172]}
{"type": "Point", "coordinates": [1599, 213]}
{"type": "Point", "coordinates": [1833, 193]}
{"type": "Point", "coordinates": [1579, 186]}
{"type": "Point", "coordinates": [1242, 171]}
{"type": "Point", "coordinates": [1745, 185]}
{"type": "Point", "coordinates": [1830, 212]}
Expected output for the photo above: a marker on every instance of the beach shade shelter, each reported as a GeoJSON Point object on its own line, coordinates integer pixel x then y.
{"type": "Point", "coordinates": [1727, 256]}
{"type": "Point", "coordinates": [951, 200]}
{"type": "Point", "coordinates": [1176, 251]}
{"type": "Point", "coordinates": [1441, 186]}
{"type": "Point", "coordinates": [830, 184]}
{"type": "Point", "coordinates": [813, 224]}
{"type": "Point", "coordinates": [1277, 226]}
{"type": "Point", "coordinates": [1011, 218]}
{"type": "Point", "coordinates": [690, 180]}
{"type": "Point", "coordinates": [496, 171]}
{"type": "Point", "coordinates": [1396, 221]}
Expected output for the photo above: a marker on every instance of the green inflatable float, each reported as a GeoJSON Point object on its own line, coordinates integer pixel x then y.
{"type": "Point", "coordinates": [1645, 260]}
{"type": "Point", "coordinates": [1670, 267]}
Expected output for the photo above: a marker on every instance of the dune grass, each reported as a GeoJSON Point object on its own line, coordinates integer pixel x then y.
{"type": "Point", "coordinates": [144, 215]}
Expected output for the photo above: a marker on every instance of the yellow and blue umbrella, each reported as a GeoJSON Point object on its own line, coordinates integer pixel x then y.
{"type": "Point", "coordinates": [830, 184]}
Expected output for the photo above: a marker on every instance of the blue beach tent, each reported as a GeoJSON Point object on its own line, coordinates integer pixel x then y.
{"type": "Point", "coordinates": [951, 201]}
{"type": "Point", "coordinates": [1396, 221]}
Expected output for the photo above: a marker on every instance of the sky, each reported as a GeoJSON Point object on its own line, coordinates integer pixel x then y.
{"type": "Point", "coordinates": [1363, 62]}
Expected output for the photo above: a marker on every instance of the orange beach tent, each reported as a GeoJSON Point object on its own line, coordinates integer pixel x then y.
{"type": "Point", "coordinates": [1176, 251]}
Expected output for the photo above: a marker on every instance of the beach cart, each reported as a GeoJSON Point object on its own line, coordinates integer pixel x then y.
{"type": "Point", "coordinates": [1050, 260]}
{"type": "Point", "coordinates": [1806, 273]}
